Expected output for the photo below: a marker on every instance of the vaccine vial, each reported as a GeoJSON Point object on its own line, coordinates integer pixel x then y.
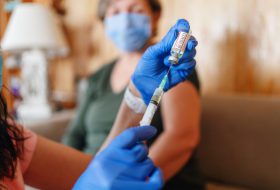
{"type": "Point", "coordinates": [179, 47]}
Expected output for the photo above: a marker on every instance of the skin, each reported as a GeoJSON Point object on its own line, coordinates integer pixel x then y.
{"type": "Point", "coordinates": [55, 166]}
{"type": "Point", "coordinates": [180, 106]}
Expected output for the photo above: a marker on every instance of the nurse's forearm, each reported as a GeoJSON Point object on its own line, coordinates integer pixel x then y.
{"type": "Point", "coordinates": [55, 166]}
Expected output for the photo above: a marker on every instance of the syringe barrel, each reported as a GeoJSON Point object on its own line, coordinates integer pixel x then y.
{"type": "Point", "coordinates": [152, 107]}
{"type": "Point", "coordinates": [149, 114]}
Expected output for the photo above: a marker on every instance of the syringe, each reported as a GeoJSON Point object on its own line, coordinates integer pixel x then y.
{"type": "Point", "coordinates": [177, 52]}
{"type": "Point", "coordinates": [154, 103]}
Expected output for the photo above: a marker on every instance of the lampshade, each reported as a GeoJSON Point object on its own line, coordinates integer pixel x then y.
{"type": "Point", "coordinates": [33, 26]}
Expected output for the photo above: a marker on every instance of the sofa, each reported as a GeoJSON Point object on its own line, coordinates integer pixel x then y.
{"type": "Point", "coordinates": [240, 141]}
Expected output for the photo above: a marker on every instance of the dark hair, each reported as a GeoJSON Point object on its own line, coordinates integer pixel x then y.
{"type": "Point", "coordinates": [104, 4]}
{"type": "Point", "coordinates": [11, 143]}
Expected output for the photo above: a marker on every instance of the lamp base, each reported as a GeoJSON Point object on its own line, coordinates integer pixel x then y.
{"type": "Point", "coordinates": [28, 112]}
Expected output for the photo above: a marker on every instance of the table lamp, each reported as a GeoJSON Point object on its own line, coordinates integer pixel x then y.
{"type": "Point", "coordinates": [35, 33]}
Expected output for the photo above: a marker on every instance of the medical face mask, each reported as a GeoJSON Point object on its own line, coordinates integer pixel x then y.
{"type": "Point", "coordinates": [129, 31]}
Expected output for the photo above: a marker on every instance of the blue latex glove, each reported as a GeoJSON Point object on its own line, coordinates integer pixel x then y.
{"type": "Point", "coordinates": [123, 165]}
{"type": "Point", "coordinates": [154, 64]}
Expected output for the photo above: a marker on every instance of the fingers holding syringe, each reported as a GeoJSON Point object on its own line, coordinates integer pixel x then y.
{"type": "Point", "coordinates": [188, 55]}
{"type": "Point", "coordinates": [130, 137]}
{"type": "Point", "coordinates": [184, 68]}
{"type": "Point", "coordinates": [192, 43]}
{"type": "Point", "coordinates": [165, 45]}
{"type": "Point", "coordinates": [182, 25]}
{"type": "Point", "coordinates": [179, 73]}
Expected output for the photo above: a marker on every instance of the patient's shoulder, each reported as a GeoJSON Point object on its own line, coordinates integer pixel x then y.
{"type": "Point", "coordinates": [103, 71]}
{"type": "Point", "coordinates": [98, 82]}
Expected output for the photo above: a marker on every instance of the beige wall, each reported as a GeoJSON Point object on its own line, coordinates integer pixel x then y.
{"type": "Point", "coordinates": [239, 45]}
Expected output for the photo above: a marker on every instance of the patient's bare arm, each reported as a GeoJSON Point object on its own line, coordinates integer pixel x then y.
{"type": "Point", "coordinates": [126, 118]}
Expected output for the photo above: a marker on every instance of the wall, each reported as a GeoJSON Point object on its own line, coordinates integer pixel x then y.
{"type": "Point", "coordinates": [239, 49]}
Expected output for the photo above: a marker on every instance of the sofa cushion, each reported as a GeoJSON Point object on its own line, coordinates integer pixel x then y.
{"type": "Point", "coordinates": [240, 142]}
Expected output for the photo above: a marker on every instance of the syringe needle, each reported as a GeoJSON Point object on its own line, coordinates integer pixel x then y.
{"type": "Point", "coordinates": [168, 71]}
{"type": "Point", "coordinates": [165, 79]}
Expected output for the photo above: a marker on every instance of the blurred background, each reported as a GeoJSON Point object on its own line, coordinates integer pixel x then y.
{"type": "Point", "coordinates": [238, 50]}
{"type": "Point", "coordinates": [238, 63]}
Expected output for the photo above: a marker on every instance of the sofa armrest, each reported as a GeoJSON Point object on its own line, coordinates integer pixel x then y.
{"type": "Point", "coordinates": [54, 127]}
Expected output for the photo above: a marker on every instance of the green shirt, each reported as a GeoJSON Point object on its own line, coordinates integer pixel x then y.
{"type": "Point", "coordinates": [96, 115]}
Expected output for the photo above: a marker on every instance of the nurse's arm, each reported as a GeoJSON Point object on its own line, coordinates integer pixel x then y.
{"type": "Point", "coordinates": [55, 166]}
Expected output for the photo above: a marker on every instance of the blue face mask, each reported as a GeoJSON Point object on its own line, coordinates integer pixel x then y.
{"type": "Point", "coordinates": [129, 31]}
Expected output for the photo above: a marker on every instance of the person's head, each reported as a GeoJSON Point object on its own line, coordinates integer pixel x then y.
{"type": "Point", "coordinates": [11, 139]}
{"type": "Point", "coordinates": [130, 24]}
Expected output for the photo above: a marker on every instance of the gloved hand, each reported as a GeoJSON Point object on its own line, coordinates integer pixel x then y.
{"type": "Point", "coordinates": [154, 63]}
{"type": "Point", "coordinates": [123, 165]}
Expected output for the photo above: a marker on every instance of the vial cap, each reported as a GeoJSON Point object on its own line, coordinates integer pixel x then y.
{"type": "Point", "coordinates": [174, 60]}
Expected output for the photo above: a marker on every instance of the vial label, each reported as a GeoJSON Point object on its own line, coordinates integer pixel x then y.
{"type": "Point", "coordinates": [181, 41]}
